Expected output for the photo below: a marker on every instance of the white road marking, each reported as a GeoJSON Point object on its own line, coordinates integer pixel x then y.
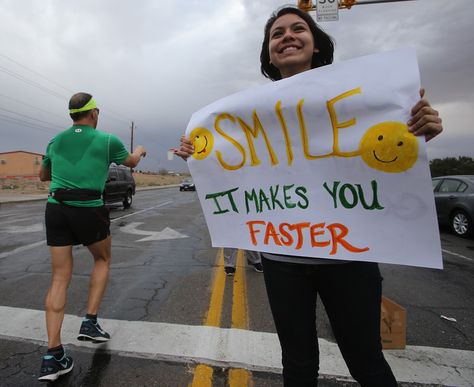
{"type": "Point", "coordinates": [24, 229]}
{"type": "Point", "coordinates": [139, 212]}
{"type": "Point", "coordinates": [256, 351]}
{"type": "Point", "coordinates": [19, 219]}
{"type": "Point", "coordinates": [457, 255]}
{"type": "Point", "coordinates": [21, 249]}
{"type": "Point", "coordinates": [33, 245]}
{"type": "Point", "coordinates": [167, 233]}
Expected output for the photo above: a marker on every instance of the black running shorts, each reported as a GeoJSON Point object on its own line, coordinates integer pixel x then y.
{"type": "Point", "coordinates": [68, 225]}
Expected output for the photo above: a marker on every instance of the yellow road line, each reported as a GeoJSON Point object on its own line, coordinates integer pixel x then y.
{"type": "Point", "coordinates": [203, 373]}
{"type": "Point", "coordinates": [213, 317]}
{"type": "Point", "coordinates": [202, 376]}
{"type": "Point", "coordinates": [239, 296]}
{"type": "Point", "coordinates": [239, 377]}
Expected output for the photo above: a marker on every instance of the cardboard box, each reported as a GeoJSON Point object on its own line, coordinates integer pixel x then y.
{"type": "Point", "coordinates": [393, 325]}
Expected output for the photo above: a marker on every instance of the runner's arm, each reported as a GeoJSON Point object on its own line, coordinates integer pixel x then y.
{"type": "Point", "coordinates": [134, 158]}
{"type": "Point", "coordinates": [45, 173]}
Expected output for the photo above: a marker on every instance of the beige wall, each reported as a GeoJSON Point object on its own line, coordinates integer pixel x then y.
{"type": "Point", "coordinates": [19, 164]}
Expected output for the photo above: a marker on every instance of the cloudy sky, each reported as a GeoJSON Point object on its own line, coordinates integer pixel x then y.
{"type": "Point", "coordinates": [156, 62]}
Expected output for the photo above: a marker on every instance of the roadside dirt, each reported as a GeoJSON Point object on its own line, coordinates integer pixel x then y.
{"type": "Point", "coordinates": [35, 186]}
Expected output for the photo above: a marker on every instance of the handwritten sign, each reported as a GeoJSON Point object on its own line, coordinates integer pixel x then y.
{"type": "Point", "coordinates": [320, 165]}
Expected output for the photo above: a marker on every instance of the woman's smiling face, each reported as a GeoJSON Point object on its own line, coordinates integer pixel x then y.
{"type": "Point", "coordinates": [291, 45]}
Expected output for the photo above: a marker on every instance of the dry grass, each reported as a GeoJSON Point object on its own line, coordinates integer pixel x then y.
{"type": "Point", "coordinates": [23, 186]}
{"type": "Point", "coordinates": [144, 180]}
{"type": "Point", "coordinates": [35, 186]}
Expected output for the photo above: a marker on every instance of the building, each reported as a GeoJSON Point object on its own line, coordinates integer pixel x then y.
{"type": "Point", "coordinates": [19, 164]}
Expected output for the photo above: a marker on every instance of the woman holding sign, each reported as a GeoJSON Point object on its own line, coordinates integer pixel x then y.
{"type": "Point", "coordinates": [350, 291]}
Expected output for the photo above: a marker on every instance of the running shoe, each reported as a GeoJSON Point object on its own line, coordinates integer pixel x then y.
{"type": "Point", "coordinates": [92, 332]}
{"type": "Point", "coordinates": [51, 368]}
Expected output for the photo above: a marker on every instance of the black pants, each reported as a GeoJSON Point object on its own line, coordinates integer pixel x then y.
{"type": "Point", "coordinates": [351, 294]}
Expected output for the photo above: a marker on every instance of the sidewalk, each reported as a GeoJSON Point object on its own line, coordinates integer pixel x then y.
{"type": "Point", "coordinates": [18, 197]}
{"type": "Point", "coordinates": [237, 348]}
{"type": "Point", "coordinates": [12, 198]}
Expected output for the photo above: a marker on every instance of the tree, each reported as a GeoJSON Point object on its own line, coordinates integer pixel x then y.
{"type": "Point", "coordinates": [452, 166]}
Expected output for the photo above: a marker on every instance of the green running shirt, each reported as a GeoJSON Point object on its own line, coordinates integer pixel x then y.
{"type": "Point", "coordinates": [79, 157]}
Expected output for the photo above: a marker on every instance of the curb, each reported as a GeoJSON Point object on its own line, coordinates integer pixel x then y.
{"type": "Point", "coordinates": [36, 197]}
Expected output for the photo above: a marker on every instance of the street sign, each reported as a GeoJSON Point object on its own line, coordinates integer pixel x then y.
{"type": "Point", "coordinates": [327, 10]}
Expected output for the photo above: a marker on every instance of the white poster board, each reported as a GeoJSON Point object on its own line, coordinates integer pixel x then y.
{"type": "Point", "coordinates": [320, 165]}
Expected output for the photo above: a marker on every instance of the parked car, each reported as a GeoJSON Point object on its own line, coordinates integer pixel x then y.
{"type": "Point", "coordinates": [187, 185]}
{"type": "Point", "coordinates": [120, 186]}
{"type": "Point", "coordinates": [454, 199]}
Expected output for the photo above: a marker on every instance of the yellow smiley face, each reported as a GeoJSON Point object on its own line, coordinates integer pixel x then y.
{"type": "Point", "coordinates": [203, 142]}
{"type": "Point", "coordinates": [389, 147]}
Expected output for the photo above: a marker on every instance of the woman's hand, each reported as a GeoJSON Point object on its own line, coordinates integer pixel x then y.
{"type": "Point", "coordinates": [424, 120]}
{"type": "Point", "coordinates": [186, 148]}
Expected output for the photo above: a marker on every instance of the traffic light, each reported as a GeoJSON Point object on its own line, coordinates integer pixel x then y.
{"type": "Point", "coordinates": [347, 3]}
{"type": "Point", "coordinates": [305, 5]}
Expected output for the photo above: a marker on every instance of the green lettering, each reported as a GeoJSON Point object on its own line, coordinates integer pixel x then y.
{"type": "Point", "coordinates": [252, 197]}
{"type": "Point", "coordinates": [227, 193]}
{"type": "Point", "coordinates": [263, 199]}
{"type": "Point", "coordinates": [273, 195]}
{"type": "Point", "coordinates": [375, 202]}
{"type": "Point", "coordinates": [343, 199]}
{"type": "Point", "coordinates": [301, 192]}
{"type": "Point", "coordinates": [288, 202]}
{"type": "Point", "coordinates": [333, 192]}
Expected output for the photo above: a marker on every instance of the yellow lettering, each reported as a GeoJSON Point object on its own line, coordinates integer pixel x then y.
{"type": "Point", "coordinates": [249, 133]}
{"type": "Point", "coordinates": [340, 125]}
{"type": "Point", "coordinates": [240, 148]}
{"type": "Point", "coordinates": [304, 133]}
{"type": "Point", "coordinates": [281, 118]}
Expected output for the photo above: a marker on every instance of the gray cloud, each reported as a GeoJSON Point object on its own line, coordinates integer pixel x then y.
{"type": "Point", "coordinates": [158, 62]}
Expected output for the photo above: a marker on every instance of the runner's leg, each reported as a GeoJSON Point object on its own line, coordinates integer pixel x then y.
{"type": "Point", "coordinates": [62, 263]}
{"type": "Point", "coordinates": [102, 253]}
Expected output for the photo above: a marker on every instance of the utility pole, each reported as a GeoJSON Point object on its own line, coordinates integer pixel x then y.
{"type": "Point", "coordinates": [132, 128]}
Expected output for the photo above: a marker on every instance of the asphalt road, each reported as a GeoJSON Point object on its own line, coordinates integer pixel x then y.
{"type": "Point", "coordinates": [163, 271]}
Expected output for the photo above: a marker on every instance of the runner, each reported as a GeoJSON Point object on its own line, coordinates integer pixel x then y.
{"type": "Point", "coordinates": [77, 162]}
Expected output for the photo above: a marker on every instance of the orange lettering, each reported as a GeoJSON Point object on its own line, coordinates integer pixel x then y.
{"type": "Point", "coordinates": [285, 234]}
{"type": "Point", "coordinates": [299, 228]}
{"type": "Point", "coordinates": [271, 233]}
{"type": "Point", "coordinates": [250, 224]}
{"type": "Point", "coordinates": [315, 233]}
{"type": "Point", "coordinates": [339, 238]}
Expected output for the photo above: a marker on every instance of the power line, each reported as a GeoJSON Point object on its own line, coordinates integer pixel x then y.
{"type": "Point", "coordinates": [20, 77]}
{"type": "Point", "coordinates": [42, 128]}
{"type": "Point", "coordinates": [35, 72]}
{"type": "Point", "coordinates": [31, 83]}
{"type": "Point", "coordinates": [29, 117]}
{"type": "Point", "coordinates": [31, 106]}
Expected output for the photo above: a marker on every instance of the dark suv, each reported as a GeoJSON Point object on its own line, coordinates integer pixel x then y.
{"type": "Point", "coordinates": [120, 186]}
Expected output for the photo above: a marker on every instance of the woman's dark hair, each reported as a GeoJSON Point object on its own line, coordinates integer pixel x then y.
{"type": "Point", "coordinates": [322, 41]}
{"type": "Point", "coordinates": [77, 101]}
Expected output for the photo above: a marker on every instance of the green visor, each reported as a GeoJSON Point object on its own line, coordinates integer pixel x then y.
{"type": "Point", "coordinates": [88, 106]}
